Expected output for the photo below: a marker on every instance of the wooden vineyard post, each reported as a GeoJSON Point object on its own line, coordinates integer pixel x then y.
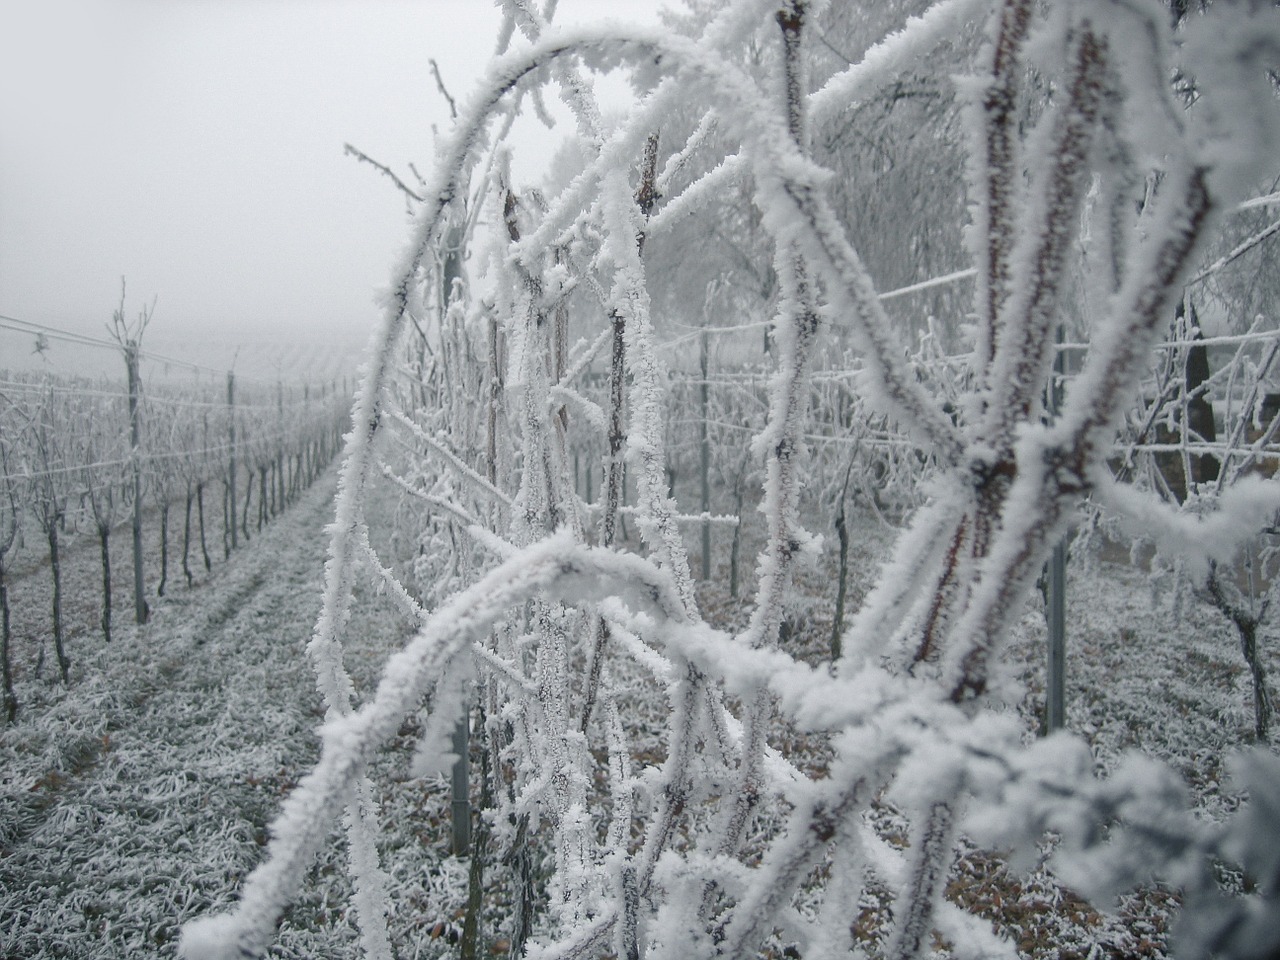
{"type": "Point", "coordinates": [51, 505]}
{"type": "Point", "coordinates": [129, 339]}
{"type": "Point", "coordinates": [8, 535]}
{"type": "Point", "coordinates": [140, 609]}
{"type": "Point", "coordinates": [1056, 685]}
{"type": "Point", "coordinates": [131, 361]}
{"type": "Point", "coordinates": [277, 490]}
{"type": "Point", "coordinates": [204, 545]}
{"type": "Point", "coordinates": [231, 444]}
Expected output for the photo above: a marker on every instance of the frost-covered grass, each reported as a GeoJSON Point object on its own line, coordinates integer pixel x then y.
{"type": "Point", "coordinates": [138, 799]}
{"type": "Point", "coordinates": [135, 799]}
{"type": "Point", "coordinates": [1151, 667]}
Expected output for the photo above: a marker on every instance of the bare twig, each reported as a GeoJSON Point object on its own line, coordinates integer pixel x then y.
{"type": "Point", "coordinates": [383, 169]}
{"type": "Point", "coordinates": [453, 106]}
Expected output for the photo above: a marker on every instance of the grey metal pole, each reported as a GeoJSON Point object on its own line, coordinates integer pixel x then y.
{"type": "Point", "coordinates": [460, 794]}
{"type": "Point", "coordinates": [460, 808]}
{"type": "Point", "coordinates": [704, 450]}
{"type": "Point", "coordinates": [1056, 684]}
{"type": "Point", "coordinates": [1055, 706]}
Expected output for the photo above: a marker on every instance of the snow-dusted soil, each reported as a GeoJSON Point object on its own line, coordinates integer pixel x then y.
{"type": "Point", "coordinates": [139, 798]}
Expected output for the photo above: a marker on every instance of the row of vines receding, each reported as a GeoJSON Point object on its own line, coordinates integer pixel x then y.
{"type": "Point", "coordinates": [197, 463]}
{"type": "Point", "coordinates": [809, 275]}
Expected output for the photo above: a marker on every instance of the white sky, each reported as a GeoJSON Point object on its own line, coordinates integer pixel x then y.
{"type": "Point", "coordinates": [195, 148]}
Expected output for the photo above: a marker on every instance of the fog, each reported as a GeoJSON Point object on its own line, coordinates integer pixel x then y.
{"type": "Point", "coordinates": [196, 150]}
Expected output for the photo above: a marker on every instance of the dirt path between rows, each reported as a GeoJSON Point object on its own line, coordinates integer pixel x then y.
{"type": "Point", "coordinates": [138, 798]}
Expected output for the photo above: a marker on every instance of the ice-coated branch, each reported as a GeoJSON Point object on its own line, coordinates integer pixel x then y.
{"type": "Point", "coordinates": [909, 578]}
{"type": "Point", "coordinates": [1023, 342]}
{"type": "Point", "coordinates": [645, 447]}
{"type": "Point", "coordinates": [325, 647]}
{"type": "Point", "coordinates": [478, 531]}
{"type": "Point", "coordinates": [1236, 252]}
{"type": "Point", "coordinates": [854, 301]}
{"type": "Point", "coordinates": [787, 184]}
{"type": "Point", "coordinates": [929, 864]}
{"type": "Point", "coordinates": [1176, 232]}
{"type": "Point", "coordinates": [1053, 467]}
{"type": "Point", "coordinates": [700, 194]}
{"type": "Point", "coordinates": [898, 712]}
{"type": "Point", "coordinates": [438, 448]}
{"type": "Point", "coordinates": [992, 168]}
{"type": "Point", "coordinates": [729, 26]}
{"type": "Point", "coordinates": [1236, 459]}
{"type": "Point", "coordinates": [677, 161]}
{"type": "Point", "coordinates": [556, 568]}
{"type": "Point", "coordinates": [892, 56]}
{"type": "Point", "coordinates": [575, 91]}
{"type": "Point", "coordinates": [444, 91]}
{"type": "Point", "coordinates": [826, 810]}
{"type": "Point", "coordinates": [879, 65]}
{"type": "Point", "coordinates": [795, 331]}
{"type": "Point", "coordinates": [1242, 511]}
{"type": "Point", "coordinates": [404, 600]}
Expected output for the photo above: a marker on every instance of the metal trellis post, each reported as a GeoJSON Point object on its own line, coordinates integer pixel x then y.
{"type": "Point", "coordinates": [1056, 595]}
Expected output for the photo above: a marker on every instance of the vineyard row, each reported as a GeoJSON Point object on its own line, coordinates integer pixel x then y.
{"type": "Point", "coordinates": [79, 459]}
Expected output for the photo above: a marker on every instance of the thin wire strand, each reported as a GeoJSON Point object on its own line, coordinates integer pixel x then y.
{"type": "Point", "coordinates": [29, 327]}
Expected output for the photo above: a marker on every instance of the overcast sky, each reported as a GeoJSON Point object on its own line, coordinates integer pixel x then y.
{"type": "Point", "coordinates": [196, 148]}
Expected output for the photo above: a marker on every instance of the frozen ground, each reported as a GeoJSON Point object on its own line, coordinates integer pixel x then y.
{"type": "Point", "coordinates": [138, 798]}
